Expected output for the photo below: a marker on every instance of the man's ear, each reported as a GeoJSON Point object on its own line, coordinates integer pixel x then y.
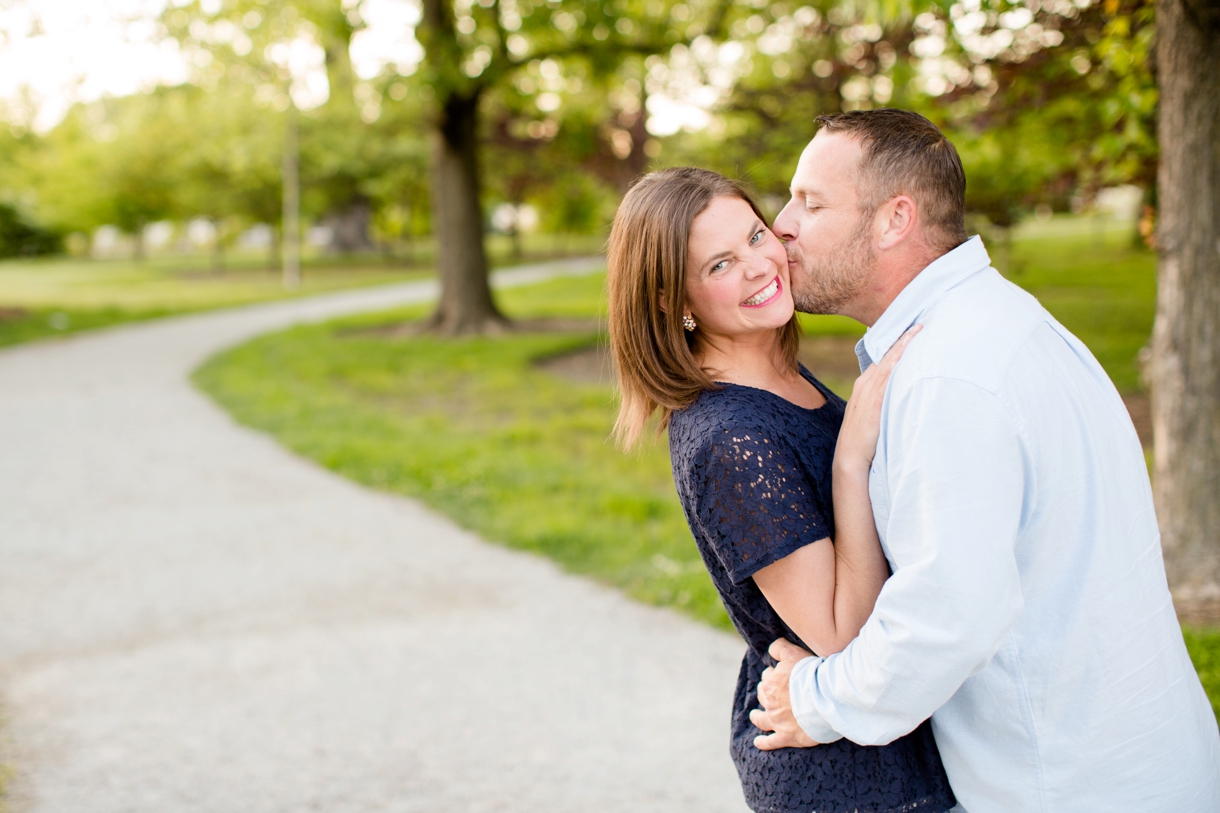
{"type": "Point", "coordinates": [897, 220]}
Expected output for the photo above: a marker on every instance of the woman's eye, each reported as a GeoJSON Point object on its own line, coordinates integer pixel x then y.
{"type": "Point", "coordinates": [720, 266]}
{"type": "Point", "coordinates": [757, 238]}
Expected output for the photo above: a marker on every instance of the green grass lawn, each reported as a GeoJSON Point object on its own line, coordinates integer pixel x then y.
{"type": "Point", "coordinates": [51, 296]}
{"type": "Point", "coordinates": [474, 428]}
{"type": "Point", "coordinates": [55, 295]}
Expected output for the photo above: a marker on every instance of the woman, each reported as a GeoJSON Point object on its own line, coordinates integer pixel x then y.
{"type": "Point", "coordinates": [703, 331]}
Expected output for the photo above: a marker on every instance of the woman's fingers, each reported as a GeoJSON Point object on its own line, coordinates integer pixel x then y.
{"type": "Point", "coordinates": [862, 421]}
{"type": "Point", "coordinates": [894, 353]}
{"type": "Point", "coordinates": [879, 373]}
{"type": "Point", "coordinates": [876, 376]}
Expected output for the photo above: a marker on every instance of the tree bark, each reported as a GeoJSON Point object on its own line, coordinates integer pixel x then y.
{"type": "Point", "coordinates": [1186, 336]}
{"type": "Point", "coordinates": [466, 305]}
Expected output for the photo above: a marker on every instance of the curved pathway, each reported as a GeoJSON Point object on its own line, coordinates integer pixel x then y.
{"type": "Point", "coordinates": [193, 619]}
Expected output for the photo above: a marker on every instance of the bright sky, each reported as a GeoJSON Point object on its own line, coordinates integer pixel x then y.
{"type": "Point", "coordinates": [54, 53]}
{"type": "Point", "coordinates": [61, 51]}
{"type": "Point", "coordinates": [57, 52]}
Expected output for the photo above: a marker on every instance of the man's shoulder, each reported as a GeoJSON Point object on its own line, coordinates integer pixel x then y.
{"type": "Point", "coordinates": [973, 333]}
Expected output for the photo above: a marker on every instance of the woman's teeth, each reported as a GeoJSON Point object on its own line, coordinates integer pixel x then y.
{"type": "Point", "coordinates": [765, 294]}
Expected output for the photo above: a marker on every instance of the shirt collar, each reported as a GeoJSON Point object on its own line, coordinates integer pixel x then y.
{"type": "Point", "coordinates": [928, 286]}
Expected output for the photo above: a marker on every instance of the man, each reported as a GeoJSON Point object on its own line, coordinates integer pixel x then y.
{"type": "Point", "coordinates": [1028, 612]}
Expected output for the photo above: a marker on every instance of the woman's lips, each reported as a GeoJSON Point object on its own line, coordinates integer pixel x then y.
{"type": "Point", "coordinates": [765, 295]}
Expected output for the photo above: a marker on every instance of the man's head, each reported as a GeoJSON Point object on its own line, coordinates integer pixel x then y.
{"type": "Point", "coordinates": [877, 195]}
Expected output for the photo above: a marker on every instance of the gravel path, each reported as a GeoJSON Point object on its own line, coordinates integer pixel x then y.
{"type": "Point", "coordinates": [193, 619]}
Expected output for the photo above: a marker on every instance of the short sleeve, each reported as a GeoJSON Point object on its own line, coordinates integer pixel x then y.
{"type": "Point", "coordinates": [754, 502]}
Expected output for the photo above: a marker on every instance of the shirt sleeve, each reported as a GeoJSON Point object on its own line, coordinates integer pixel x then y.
{"type": "Point", "coordinates": [955, 479]}
{"type": "Point", "coordinates": [754, 502]}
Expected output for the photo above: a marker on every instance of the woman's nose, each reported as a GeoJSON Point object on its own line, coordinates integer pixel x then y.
{"type": "Point", "coordinates": [759, 266]}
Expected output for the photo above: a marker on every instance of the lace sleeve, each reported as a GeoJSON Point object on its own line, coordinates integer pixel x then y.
{"type": "Point", "coordinates": [754, 502]}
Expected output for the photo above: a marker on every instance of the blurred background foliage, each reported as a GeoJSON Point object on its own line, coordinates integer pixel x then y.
{"type": "Point", "coordinates": [1049, 102]}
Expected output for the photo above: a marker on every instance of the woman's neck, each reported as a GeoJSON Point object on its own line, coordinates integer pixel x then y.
{"type": "Point", "coordinates": [752, 360]}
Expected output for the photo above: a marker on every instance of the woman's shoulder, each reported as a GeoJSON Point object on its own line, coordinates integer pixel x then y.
{"type": "Point", "coordinates": [727, 416]}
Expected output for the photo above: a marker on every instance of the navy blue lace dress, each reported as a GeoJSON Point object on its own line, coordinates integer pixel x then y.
{"type": "Point", "coordinates": [753, 473]}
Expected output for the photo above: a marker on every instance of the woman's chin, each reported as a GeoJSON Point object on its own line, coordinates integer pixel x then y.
{"type": "Point", "coordinates": [772, 317]}
{"type": "Point", "coordinates": [760, 326]}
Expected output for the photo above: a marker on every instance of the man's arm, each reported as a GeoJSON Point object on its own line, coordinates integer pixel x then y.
{"type": "Point", "coordinates": [957, 483]}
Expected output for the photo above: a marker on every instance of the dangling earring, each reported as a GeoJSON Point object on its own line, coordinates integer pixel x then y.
{"type": "Point", "coordinates": [688, 321]}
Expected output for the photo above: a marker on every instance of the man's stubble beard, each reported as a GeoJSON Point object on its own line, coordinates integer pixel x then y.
{"type": "Point", "coordinates": [827, 284]}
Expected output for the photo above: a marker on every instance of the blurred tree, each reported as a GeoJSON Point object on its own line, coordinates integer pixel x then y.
{"type": "Point", "coordinates": [273, 51]}
{"type": "Point", "coordinates": [472, 49]}
{"type": "Point", "coordinates": [1185, 359]}
{"type": "Point", "coordinates": [21, 234]}
{"type": "Point", "coordinates": [1044, 100]}
{"type": "Point", "coordinates": [113, 162]}
{"type": "Point", "coordinates": [398, 191]}
{"type": "Point", "coordinates": [787, 66]}
{"type": "Point", "coordinates": [226, 163]}
{"type": "Point", "coordinates": [1067, 88]}
{"type": "Point", "coordinates": [19, 238]}
{"type": "Point", "coordinates": [140, 168]}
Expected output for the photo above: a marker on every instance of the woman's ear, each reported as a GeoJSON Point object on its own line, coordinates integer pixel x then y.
{"type": "Point", "coordinates": [661, 301]}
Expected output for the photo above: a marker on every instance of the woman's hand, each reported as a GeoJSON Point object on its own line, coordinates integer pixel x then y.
{"type": "Point", "coordinates": [862, 421]}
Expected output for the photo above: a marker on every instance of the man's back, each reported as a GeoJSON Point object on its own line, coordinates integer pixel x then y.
{"type": "Point", "coordinates": [1028, 607]}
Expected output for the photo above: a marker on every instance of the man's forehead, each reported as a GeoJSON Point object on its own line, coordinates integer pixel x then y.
{"type": "Point", "coordinates": [828, 160]}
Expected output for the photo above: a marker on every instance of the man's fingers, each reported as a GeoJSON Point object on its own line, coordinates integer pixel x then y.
{"type": "Point", "coordinates": [784, 650]}
{"type": "Point", "coordinates": [770, 742]}
{"type": "Point", "coordinates": [761, 720]}
{"type": "Point", "coordinates": [761, 691]}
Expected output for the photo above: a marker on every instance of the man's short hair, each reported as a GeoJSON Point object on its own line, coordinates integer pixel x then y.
{"type": "Point", "coordinates": [905, 154]}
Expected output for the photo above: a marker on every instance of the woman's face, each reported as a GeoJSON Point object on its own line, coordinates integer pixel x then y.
{"type": "Point", "coordinates": [737, 275]}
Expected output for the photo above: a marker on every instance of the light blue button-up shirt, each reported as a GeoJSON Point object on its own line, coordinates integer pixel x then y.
{"type": "Point", "coordinates": [1028, 613]}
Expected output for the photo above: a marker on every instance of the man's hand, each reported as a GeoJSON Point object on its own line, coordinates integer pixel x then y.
{"type": "Point", "coordinates": [776, 714]}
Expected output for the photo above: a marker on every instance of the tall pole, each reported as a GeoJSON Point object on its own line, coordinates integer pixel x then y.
{"type": "Point", "coordinates": [292, 200]}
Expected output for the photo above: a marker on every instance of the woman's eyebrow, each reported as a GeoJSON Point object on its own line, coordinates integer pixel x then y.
{"type": "Point", "coordinates": [715, 257]}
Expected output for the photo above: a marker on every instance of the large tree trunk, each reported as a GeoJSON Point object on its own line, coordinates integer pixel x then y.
{"type": "Point", "coordinates": [466, 305]}
{"type": "Point", "coordinates": [1186, 337]}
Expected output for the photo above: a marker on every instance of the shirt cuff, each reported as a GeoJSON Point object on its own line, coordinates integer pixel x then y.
{"type": "Point", "coordinates": [802, 689]}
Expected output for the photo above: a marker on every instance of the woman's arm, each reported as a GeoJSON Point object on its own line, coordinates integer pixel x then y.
{"type": "Point", "coordinates": [825, 591]}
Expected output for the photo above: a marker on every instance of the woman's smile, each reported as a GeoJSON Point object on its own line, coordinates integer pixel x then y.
{"type": "Point", "coordinates": [766, 295]}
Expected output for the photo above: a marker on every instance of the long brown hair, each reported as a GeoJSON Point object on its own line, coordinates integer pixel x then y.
{"type": "Point", "coordinates": [646, 260]}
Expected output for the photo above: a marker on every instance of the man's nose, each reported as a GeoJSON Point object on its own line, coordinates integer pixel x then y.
{"type": "Point", "coordinates": [785, 224]}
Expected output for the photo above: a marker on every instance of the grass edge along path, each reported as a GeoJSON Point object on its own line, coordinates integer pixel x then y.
{"type": "Point", "coordinates": [54, 296]}
{"type": "Point", "coordinates": [475, 430]}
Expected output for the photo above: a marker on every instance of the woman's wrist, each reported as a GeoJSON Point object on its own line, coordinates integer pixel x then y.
{"type": "Point", "coordinates": [851, 466]}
